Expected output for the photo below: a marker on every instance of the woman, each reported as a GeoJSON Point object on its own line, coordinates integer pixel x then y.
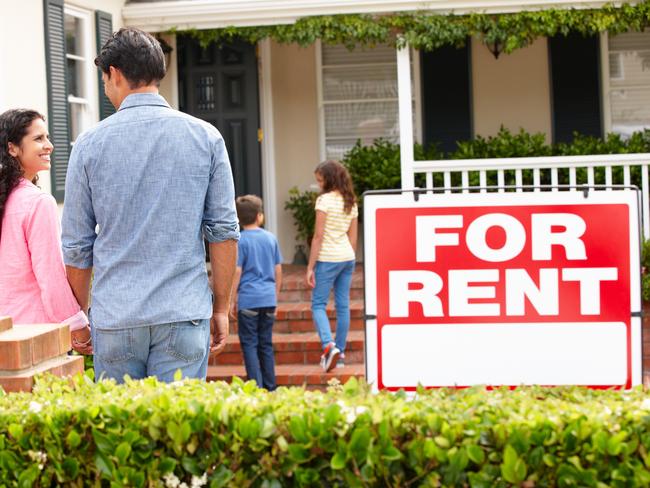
{"type": "Point", "coordinates": [332, 255]}
{"type": "Point", "coordinates": [33, 284]}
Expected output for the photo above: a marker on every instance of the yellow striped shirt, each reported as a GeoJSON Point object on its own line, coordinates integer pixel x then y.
{"type": "Point", "coordinates": [336, 244]}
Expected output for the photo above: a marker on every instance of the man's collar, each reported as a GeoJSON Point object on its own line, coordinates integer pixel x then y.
{"type": "Point", "coordinates": [139, 99]}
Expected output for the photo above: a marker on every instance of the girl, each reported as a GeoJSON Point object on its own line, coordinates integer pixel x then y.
{"type": "Point", "coordinates": [33, 284]}
{"type": "Point", "coordinates": [331, 260]}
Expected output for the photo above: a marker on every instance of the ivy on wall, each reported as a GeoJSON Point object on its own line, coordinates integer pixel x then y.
{"type": "Point", "coordinates": [426, 31]}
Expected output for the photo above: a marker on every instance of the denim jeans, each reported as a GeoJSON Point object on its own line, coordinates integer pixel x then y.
{"type": "Point", "coordinates": [255, 328]}
{"type": "Point", "coordinates": [157, 350]}
{"type": "Point", "coordinates": [338, 276]}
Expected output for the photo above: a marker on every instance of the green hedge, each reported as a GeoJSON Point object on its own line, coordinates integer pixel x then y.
{"type": "Point", "coordinates": [151, 434]}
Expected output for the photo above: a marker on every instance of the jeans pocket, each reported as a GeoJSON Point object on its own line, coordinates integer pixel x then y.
{"type": "Point", "coordinates": [188, 342]}
{"type": "Point", "coordinates": [113, 346]}
{"type": "Point", "coordinates": [249, 313]}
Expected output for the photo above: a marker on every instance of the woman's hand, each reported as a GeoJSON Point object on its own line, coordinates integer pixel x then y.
{"type": "Point", "coordinates": [82, 340]}
{"type": "Point", "coordinates": [310, 278]}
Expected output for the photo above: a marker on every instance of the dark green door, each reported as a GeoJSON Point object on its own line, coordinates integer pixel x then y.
{"type": "Point", "coordinates": [219, 85]}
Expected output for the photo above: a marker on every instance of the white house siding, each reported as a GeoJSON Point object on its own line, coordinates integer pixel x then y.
{"type": "Point", "coordinates": [512, 90]}
{"type": "Point", "coordinates": [295, 121]}
{"type": "Point", "coordinates": [22, 60]}
{"type": "Point", "coordinates": [22, 55]}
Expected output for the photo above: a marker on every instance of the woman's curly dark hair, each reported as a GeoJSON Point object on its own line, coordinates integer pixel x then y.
{"type": "Point", "coordinates": [13, 127]}
{"type": "Point", "coordinates": [336, 177]}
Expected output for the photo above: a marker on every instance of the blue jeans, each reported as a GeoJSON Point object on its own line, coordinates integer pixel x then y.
{"type": "Point", "coordinates": [255, 329]}
{"type": "Point", "coordinates": [338, 276]}
{"type": "Point", "coordinates": [157, 350]}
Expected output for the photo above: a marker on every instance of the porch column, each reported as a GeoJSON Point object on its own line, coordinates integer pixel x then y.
{"type": "Point", "coordinates": [405, 116]}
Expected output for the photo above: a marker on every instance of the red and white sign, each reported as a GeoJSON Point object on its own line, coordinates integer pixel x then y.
{"type": "Point", "coordinates": [503, 289]}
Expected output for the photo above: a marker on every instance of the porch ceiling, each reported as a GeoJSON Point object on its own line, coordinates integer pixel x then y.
{"type": "Point", "coordinates": [158, 16]}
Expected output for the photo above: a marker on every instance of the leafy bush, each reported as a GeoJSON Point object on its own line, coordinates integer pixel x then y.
{"type": "Point", "coordinates": [301, 206]}
{"type": "Point", "coordinates": [149, 434]}
{"type": "Point", "coordinates": [377, 167]}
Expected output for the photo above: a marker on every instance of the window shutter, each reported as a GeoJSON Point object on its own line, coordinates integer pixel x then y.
{"type": "Point", "coordinates": [57, 95]}
{"type": "Point", "coordinates": [104, 28]}
{"type": "Point", "coordinates": [575, 85]}
{"type": "Point", "coordinates": [446, 96]}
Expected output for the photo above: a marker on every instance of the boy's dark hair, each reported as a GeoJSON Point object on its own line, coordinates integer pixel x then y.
{"type": "Point", "coordinates": [137, 54]}
{"type": "Point", "coordinates": [248, 207]}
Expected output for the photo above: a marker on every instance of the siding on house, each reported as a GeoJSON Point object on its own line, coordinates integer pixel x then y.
{"type": "Point", "coordinates": [24, 80]}
{"type": "Point", "coordinates": [295, 120]}
{"type": "Point", "coordinates": [512, 90]}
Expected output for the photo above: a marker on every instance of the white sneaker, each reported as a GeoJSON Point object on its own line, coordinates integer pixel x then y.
{"type": "Point", "coordinates": [326, 351]}
{"type": "Point", "coordinates": [330, 361]}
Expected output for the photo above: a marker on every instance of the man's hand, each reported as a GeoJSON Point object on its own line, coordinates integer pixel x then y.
{"type": "Point", "coordinates": [219, 329]}
{"type": "Point", "coordinates": [81, 340]}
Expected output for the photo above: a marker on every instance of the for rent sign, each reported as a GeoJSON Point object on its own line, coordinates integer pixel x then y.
{"type": "Point", "coordinates": [503, 289]}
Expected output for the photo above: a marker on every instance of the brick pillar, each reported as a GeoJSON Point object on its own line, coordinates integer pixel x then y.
{"type": "Point", "coordinates": [26, 350]}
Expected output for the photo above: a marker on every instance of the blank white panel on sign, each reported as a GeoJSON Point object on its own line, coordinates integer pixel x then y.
{"type": "Point", "coordinates": [592, 353]}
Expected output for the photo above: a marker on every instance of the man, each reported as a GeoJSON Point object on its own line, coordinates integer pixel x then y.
{"type": "Point", "coordinates": [143, 188]}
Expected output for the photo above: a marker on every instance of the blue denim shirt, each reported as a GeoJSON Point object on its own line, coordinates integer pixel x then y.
{"type": "Point", "coordinates": [142, 190]}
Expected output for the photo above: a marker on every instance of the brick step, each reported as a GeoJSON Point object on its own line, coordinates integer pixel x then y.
{"type": "Point", "coordinates": [305, 295]}
{"type": "Point", "coordinates": [23, 380]}
{"type": "Point", "coordinates": [297, 348]}
{"type": "Point", "coordinates": [293, 374]}
{"type": "Point", "coordinates": [297, 317]}
{"type": "Point", "coordinates": [293, 279]}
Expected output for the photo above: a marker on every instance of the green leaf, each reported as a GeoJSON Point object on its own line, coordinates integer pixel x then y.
{"type": "Point", "coordinates": [442, 441]}
{"type": "Point", "coordinates": [122, 452]}
{"type": "Point", "coordinates": [167, 465]}
{"type": "Point", "coordinates": [73, 439]}
{"type": "Point", "coordinates": [71, 467]}
{"type": "Point", "coordinates": [513, 467]}
{"type": "Point", "coordinates": [298, 428]}
{"type": "Point", "coordinates": [191, 465]}
{"type": "Point", "coordinates": [476, 454]}
{"type": "Point", "coordinates": [178, 375]}
{"type": "Point", "coordinates": [391, 453]}
{"type": "Point", "coordinates": [338, 461]}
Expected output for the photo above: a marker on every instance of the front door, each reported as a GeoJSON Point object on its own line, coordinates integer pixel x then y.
{"type": "Point", "coordinates": [219, 85]}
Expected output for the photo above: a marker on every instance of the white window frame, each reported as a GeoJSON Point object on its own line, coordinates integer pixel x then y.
{"type": "Point", "coordinates": [605, 85]}
{"type": "Point", "coordinates": [88, 102]}
{"type": "Point", "coordinates": [417, 98]}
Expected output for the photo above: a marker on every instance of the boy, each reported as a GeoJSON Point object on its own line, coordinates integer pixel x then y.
{"type": "Point", "coordinates": [257, 282]}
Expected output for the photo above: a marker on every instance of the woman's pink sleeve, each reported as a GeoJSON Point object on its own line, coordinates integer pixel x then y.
{"type": "Point", "coordinates": [43, 234]}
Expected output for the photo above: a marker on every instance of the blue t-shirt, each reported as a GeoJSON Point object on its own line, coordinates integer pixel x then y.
{"type": "Point", "coordinates": [259, 252]}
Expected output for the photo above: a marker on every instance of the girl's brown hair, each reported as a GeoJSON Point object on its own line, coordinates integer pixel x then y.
{"type": "Point", "coordinates": [337, 178]}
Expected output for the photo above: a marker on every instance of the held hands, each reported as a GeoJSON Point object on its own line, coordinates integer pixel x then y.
{"type": "Point", "coordinates": [82, 340]}
{"type": "Point", "coordinates": [219, 328]}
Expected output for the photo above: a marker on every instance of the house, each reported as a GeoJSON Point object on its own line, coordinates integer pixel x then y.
{"type": "Point", "coordinates": [282, 107]}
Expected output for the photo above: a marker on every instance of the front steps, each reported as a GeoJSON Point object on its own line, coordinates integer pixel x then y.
{"type": "Point", "coordinates": [295, 342]}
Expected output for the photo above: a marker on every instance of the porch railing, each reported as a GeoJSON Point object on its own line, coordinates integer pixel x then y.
{"type": "Point", "coordinates": [514, 174]}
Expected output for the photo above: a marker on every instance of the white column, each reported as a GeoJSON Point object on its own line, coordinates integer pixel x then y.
{"type": "Point", "coordinates": [268, 150]}
{"type": "Point", "coordinates": [405, 116]}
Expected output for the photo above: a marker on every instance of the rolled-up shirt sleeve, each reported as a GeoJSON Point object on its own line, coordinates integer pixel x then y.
{"type": "Point", "coordinates": [78, 223]}
{"type": "Point", "coordinates": [219, 215]}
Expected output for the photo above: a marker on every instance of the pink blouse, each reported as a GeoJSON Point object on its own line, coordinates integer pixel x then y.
{"type": "Point", "coordinates": [33, 285]}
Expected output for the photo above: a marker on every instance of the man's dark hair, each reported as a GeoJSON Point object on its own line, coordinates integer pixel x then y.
{"type": "Point", "coordinates": [248, 207]}
{"type": "Point", "coordinates": [136, 54]}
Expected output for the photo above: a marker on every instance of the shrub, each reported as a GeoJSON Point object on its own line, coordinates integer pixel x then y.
{"type": "Point", "coordinates": [145, 433]}
{"type": "Point", "coordinates": [377, 167]}
{"type": "Point", "coordinates": [301, 206]}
